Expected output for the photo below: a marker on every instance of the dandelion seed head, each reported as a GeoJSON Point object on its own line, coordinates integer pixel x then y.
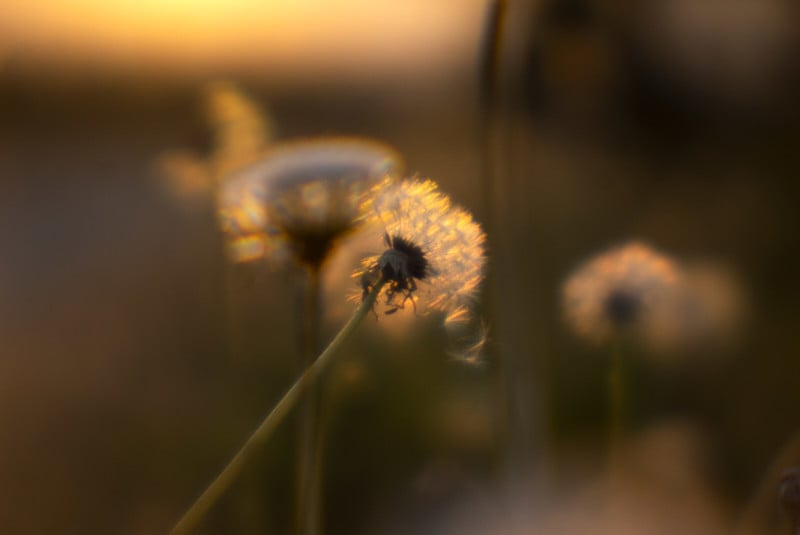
{"type": "Point", "coordinates": [618, 293]}
{"type": "Point", "coordinates": [433, 253]}
{"type": "Point", "coordinates": [302, 197]}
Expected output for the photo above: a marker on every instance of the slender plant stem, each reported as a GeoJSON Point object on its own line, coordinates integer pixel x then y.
{"type": "Point", "coordinates": [307, 474]}
{"type": "Point", "coordinates": [616, 398]}
{"type": "Point", "coordinates": [616, 428]}
{"type": "Point", "coordinates": [328, 395]}
{"type": "Point", "coordinates": [260, 436]}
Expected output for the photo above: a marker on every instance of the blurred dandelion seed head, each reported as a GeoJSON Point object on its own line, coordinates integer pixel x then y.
{"type": "Point", "coordinates": [618, 293]}
{"type": "Point", "coordinates": [434, 253]}
{"type": "Point", "coordinates": [302, 197]}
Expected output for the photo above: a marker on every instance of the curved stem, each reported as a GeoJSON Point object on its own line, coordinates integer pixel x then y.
{"type": "Point", "coordinates": [259, 437]}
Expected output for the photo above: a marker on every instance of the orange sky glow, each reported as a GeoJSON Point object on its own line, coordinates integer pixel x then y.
{"type": "Point", "coordinates": [345, 36]}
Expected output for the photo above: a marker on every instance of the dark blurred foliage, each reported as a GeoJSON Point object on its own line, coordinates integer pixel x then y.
{"type": "Point", "coordinates": [137, 359]}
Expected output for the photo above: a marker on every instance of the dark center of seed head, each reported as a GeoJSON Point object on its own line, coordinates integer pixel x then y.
{"type": "Point", "coordinates": [622, 307]}
{"type": "Point", "coordinates": [416, 263]}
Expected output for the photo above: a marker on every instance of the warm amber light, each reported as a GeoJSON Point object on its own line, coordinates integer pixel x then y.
{"type": "Point", "coordinates": [270, 34]}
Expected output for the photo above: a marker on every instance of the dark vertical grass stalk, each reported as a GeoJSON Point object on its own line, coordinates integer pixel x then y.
{"type": "Point", "coordinates": [190, 520]}
{"type": "Point", "coordinates": [516, 420]}
{"type": "Point", "coordinates": [488, 82]}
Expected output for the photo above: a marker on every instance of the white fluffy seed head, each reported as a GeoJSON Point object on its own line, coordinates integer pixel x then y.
{"type": "Point", "coordinates": [452, 244]}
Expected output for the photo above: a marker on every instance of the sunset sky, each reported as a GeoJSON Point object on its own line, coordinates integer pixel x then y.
{"type": "Point", "coordinates": [345, 36]}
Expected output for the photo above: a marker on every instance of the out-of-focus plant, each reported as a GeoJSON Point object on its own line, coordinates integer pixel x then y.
{"type": "Point", "coordinates": [616, 296]}
{"type": "Point", "coordinates": [613, 299]}
{"type": "Point", "coordinates": [294, 206]}
{"type": "Point", "coordinates": [301, 198]}
{"type": "Point", "coordinates": [241, 130]}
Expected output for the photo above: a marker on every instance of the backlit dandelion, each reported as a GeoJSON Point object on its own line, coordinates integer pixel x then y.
{"type": "Point", "coordinates": [432, 249]}
{"type": "Point", "coordinates": [617, 294]}
{"type": "Point", "coordinates": [433, 254]}
{"type": "Point", "coordinates": [301, 197]}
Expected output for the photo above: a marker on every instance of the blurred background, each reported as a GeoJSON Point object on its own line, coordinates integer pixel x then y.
{"type": "Point", "coordinates": [136, 357]}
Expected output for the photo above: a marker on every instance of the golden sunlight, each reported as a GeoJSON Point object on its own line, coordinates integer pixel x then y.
{"type": "Point", "coordinates": [289, 36]}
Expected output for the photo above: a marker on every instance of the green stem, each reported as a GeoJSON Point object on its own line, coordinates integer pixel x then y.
{"type": "Point", "coordinates": [616, 393]}
{"type": "Point", "coordinates": [259, 437]}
